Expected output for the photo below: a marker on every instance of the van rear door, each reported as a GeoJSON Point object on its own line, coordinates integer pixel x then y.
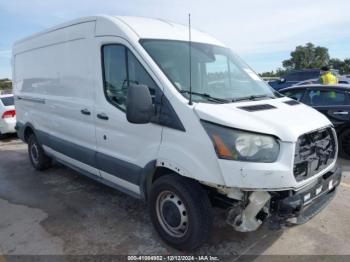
{"type": "Point", "coordinates": [123, 148]}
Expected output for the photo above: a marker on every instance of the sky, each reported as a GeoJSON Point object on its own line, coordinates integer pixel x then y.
{"type": "Point", "coordinates": [261, 32]}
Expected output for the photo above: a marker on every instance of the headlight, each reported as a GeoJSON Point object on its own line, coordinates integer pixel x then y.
{"type": "Point", "coordinates": [240, 145]}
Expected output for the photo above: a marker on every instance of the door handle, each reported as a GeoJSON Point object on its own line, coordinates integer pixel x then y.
{"type": "Point", "coordinates": [85, 111]}
{"type": "Point", "coordinates": [341, 113]}
{"type": "Point", "coordinates": [102, 116]}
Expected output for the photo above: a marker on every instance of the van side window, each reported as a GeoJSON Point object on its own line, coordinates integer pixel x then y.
{"type": "Point", "coordinates": [138, 75]}
{"type": "Point", "coordinates": [115, 74]}
{"type": "Point", "coordinates": [121, 68]}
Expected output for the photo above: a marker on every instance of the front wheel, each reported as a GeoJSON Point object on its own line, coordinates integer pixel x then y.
{"type": "Point", "coordinates": [180, 212]}
{"type": "Point", "coordinates": [344, 144]}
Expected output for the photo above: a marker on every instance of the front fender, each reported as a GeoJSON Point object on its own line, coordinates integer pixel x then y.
{"type": "Point", "coordinates": [192, 161]}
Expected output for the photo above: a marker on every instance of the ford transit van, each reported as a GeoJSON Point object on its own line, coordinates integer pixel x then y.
{"type": "Point", "coordinates": [184, 125]}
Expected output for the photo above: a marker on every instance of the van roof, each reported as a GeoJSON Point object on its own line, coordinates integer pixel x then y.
{"type": "Point", "coordinates": [141, 27]}
{"type": "Point", "coordinates": [153, 28]}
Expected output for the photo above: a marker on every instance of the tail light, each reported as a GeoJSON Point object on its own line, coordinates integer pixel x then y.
{"type": "Point", "coordinates": [9, 114]}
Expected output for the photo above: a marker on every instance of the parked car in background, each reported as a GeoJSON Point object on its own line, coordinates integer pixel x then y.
{"type": "Point", "coordinates": [344, 80]}
{"type": "Point", "coordinates": [307, 82]}
{"type": "Point", "coordinates": [7, 114]}
{"type": "Point", "coordinates": [5, 92]}
{"type": "Point", "coordinates": [295, 77]}
{"type": "Point", "coordinates": [331, 100]}
{"type": "Point", "coordinates": [341, 80]}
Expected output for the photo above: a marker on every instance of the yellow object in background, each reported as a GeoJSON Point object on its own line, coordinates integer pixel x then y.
{"type": "Point", "coordinates": [329, 78]}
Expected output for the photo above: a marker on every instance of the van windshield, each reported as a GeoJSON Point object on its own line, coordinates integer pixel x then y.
{"type": "Point", "coordinates": [216, 72]}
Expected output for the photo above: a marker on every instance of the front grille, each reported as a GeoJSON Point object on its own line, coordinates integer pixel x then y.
{"type": "Point", "coordinates": [314, 152]}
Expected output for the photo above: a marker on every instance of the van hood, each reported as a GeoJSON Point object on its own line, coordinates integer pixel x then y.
{"type": "Point", "coordinates": [273, 116]}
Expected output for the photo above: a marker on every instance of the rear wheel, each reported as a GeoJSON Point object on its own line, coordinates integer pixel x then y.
{"type": "Point", "coordinates": [180, 212]}
{"type": "Point", "coordinates": [37, 156]}
{"type": "Point", "coordinates": [344, 144]}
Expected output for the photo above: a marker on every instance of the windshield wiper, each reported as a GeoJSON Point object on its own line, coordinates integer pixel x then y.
{"type": "Point", "coordinates": [207, 96]}
{"type": "Point", "coordinates": [253, 97]}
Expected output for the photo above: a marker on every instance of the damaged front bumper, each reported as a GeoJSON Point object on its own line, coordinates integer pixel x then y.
{"type": "Point", "coordinates": [300, 206]}
{"type": "Point", "coordinates": [285, 208]}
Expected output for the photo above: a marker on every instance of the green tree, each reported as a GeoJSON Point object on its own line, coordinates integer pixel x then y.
{"type": "Point", "coordinates": [342, 65]}
{"type": "Point", "coordinates": [5, 84]}
{"type": "Point", "coordinates": [347, 66]}
{"type": "Point", "coordinates": [278, 73]}
{"type": "Point", "coordinates": [268, 74]}
{"type": "Point", "coordinates": [308, 56]}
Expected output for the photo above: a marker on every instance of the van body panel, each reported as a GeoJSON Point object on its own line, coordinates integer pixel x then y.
{"type": "Point", "coordinates": [75, 30]}
{"type": "Point", "coordinates": [119, 184]}
{"type": "Point", "coordinates": [58, 74]}
{"type": "Point", "coordinates": [147, 28]}
{"type": "Point", "coordinates": [299, 118]}
{"type": "Point", "coordinates": [189, 150]}
{"type": "Point", "coordinates": [277, 176]}
{"type": "Point", "coordinates": [66, 159]}
{"type": "Point", "coordinates": [243, 147]}
{"type": "Point", "coordinates": [117, 138]}
{"type": "Point", "coordinates": [116, 28]}
{"type": "Point", "coordinates": [53, 83]}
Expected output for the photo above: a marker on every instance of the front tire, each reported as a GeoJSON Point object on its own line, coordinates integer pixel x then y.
{"type": "Point", "coordinates": [180, 212]}
{"type": "Point", "coordinates": [344, 144]}
{"type": "Point", "coordinates": [40, 161]}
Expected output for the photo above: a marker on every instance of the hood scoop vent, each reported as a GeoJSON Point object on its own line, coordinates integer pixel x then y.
{"type": "Point", "coordinates": [292, 102]}
{"type": "Point", "coordinates": [257, 107]}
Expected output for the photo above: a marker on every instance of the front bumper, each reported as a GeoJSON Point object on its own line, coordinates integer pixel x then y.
{"type": "Point", "coordinates": [300, 206]}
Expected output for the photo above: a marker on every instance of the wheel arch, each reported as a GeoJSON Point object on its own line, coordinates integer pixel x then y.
{"type": "Point", "coordinates": [343, 128]}
{"type": "Point", "coordinates": [154, 170]}
{"type": "Point", "coordinates": [28, 130]}
{"type": "Point", "coordinates": [25, 130]}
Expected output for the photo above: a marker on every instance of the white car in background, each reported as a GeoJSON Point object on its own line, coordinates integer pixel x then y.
{"type": "Point", "coordinates": [7, 114]}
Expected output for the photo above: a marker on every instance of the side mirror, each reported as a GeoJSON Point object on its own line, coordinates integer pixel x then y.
{"type": "Point", "coordinates": [139, 107]}
{"type": "Point", "coordinates": [282, 80]}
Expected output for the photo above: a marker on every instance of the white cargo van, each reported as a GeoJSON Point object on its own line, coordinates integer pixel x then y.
{"type": "Point", "coordinates": [113, 98]}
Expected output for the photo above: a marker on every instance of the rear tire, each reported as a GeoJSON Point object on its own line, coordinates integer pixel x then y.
{"type": "Point", "coordinates": [344, 144]}
{"type": "Point", "coordinates": [40, 161]}
{"type": "Point", "coordinates": [180, 212]}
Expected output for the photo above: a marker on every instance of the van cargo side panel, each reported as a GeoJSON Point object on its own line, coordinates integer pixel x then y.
{"type": "Point", "coordinates": [55, 68]}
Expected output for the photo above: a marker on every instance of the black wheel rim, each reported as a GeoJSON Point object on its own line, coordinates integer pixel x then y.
{"type": "Point", "coordinates": [34, 153]}
{"type": "Point", "coordinates": [172, 214]}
